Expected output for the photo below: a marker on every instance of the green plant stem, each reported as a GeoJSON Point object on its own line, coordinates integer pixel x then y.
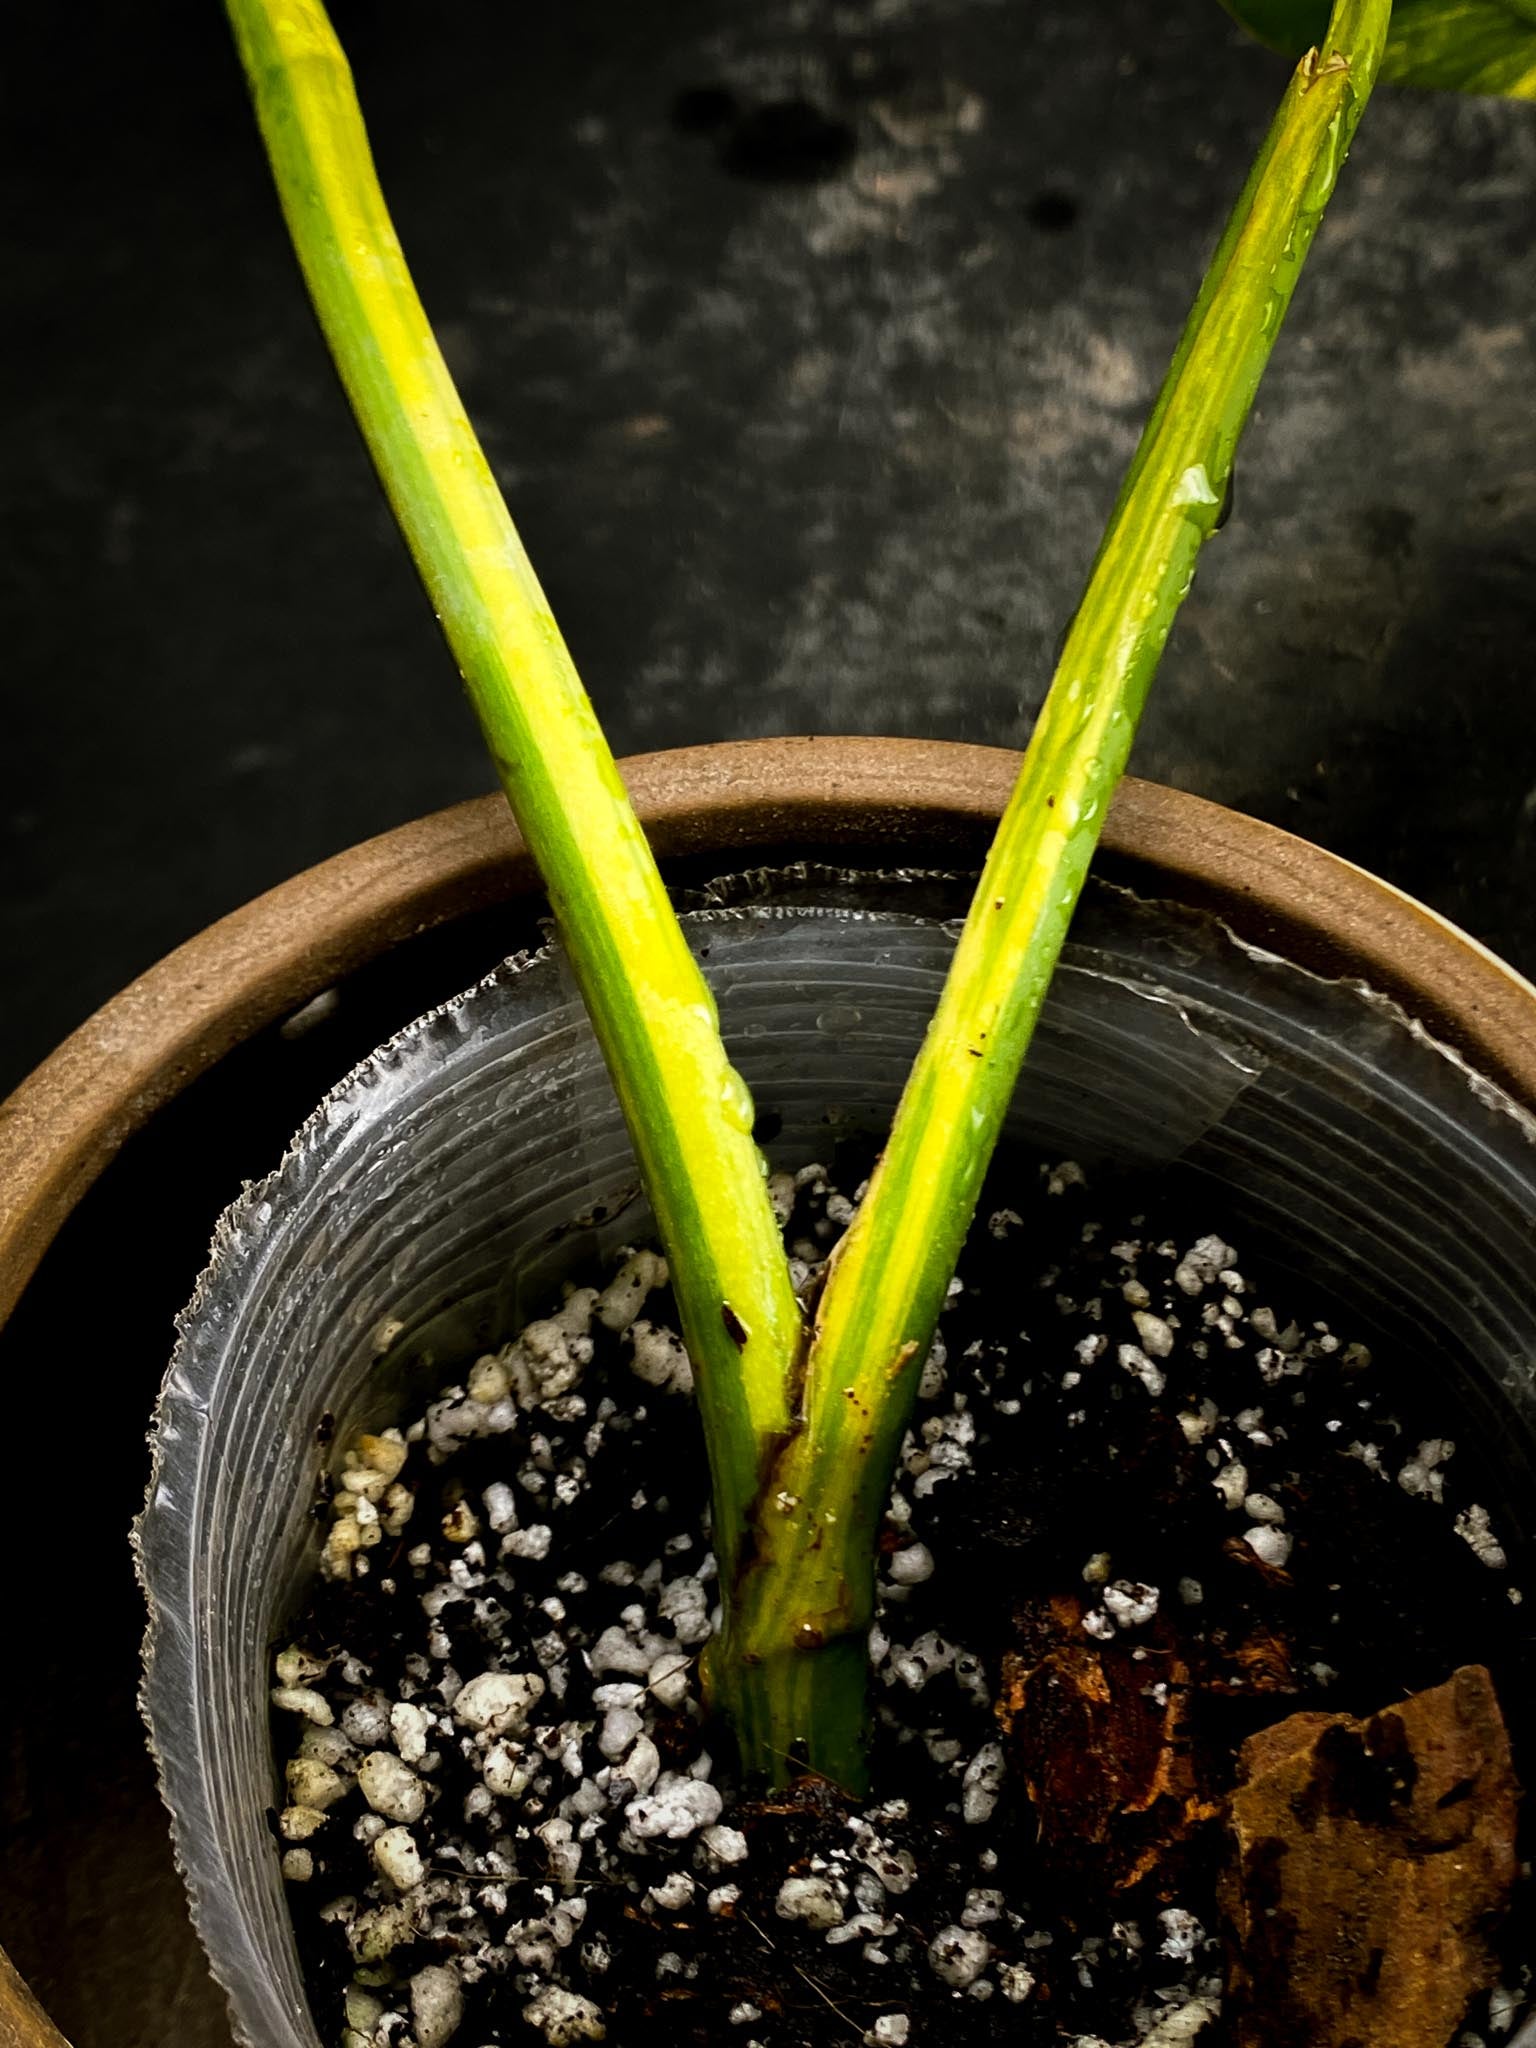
{"type": "Point", "coordinates": [1477, 46]}
{"type": "Point", "coordinates": [688, 1113]}
{"type": "Point", "coordinates": [807, 1587]}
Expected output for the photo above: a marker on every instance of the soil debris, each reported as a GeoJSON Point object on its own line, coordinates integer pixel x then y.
{"type": "Point", "coordinates": [1140, 1513]}
{"type": "Point", "coordinates": [1103, 1752]}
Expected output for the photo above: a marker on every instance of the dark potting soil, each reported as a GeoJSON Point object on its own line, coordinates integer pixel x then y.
{"type": "Point", "coordinates": [1149, 1506]}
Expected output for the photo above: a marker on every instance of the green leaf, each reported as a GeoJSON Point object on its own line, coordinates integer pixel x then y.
{"type": "Point", "coordinates": [1486, 46]}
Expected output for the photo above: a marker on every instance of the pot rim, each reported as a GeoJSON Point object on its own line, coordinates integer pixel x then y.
{"type": "Point", "coordinates": [74, 1112]}
{"type": "Point", "coordinates": [746, 801]}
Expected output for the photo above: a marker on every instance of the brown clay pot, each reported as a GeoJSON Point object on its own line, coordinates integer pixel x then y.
{"type": "Point", "coordinates": [706, 809]}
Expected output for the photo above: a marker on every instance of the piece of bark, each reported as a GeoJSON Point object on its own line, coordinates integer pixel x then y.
{"type": "Point", "coordinates": [1107, 1764]}
{"type": "Point", "coordinates": [1370, 1864]}
{"type": "Point", "coordinates": [1258, 1655]}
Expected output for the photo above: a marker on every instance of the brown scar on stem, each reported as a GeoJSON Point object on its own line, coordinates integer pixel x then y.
{"type": "Point", "coordinates": [893, 1370]}
{"type": "Point", "coordinates": [735, 1328]}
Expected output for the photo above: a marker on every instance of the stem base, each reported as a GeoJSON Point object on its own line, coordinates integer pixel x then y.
{"type": "Point", "coordinates": [797, 1711]}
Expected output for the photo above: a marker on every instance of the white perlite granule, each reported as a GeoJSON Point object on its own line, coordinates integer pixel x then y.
{"type": "Point", "coordinates": [1231, 1482]}
{"type": "Point", "coordinates": [408, 1726]}
{"type": "Point", "coordinates": [397, 1858]}
{"type": "Point", "coordinates": [1015, 1982]}
{"type": "Point", "coordinates": [958, 1955]}
{"type": "Point", "coordinates": [298, 1699]}
{"type": "Point", "coordinates": [725, 1845]}
{"type": "Point", "coordinates": [983, 1785]}
{"type": "Point", "coordinates": [815, 1900]}
{"type": "Point", "coordinates": [1422, 1473]}
{"type": "Point", "coordinates": [912, 1566]}
{"type": "Point", "coordinates": [391, 1787]}
{"type": "Point", "coordinates": [498, 1700]}
{"type": "Point", "coordinates": [563, 2017]}
{"type": "Point", "coordinates": [1268, 1544]}
{"type": "Point", "coordinates": [674, 1892]}
{"type": "Point", "coordinates": [1474, 1530]}
{"type": "Point", "coordinates": [1155, 1334]}
{"type": "Point", "coordinates": [437, 2005]}
{"type": "Point", "coordinates": [1182, 1934]}
{"type": "Point", "coordinates": [1260, 1507]}
{"type": "Point", "coordinates": [1202, 1264]}
{"type": "Point", "coordinates": [679, 1806]}
{"type": "Point", "coordinates": [1136, 1362]}
{"type": "Point", "coordinates": [1130, 1604]}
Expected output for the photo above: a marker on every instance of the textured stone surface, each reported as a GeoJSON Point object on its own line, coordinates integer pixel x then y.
{"type": "Point", "coordinates": [811, 421]}
{"type": "Point", "coordinates": [1370, 1864]}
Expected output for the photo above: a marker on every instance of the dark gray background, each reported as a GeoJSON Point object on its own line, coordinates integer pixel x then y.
{"type": "Point", "coordinates": [792, 452]}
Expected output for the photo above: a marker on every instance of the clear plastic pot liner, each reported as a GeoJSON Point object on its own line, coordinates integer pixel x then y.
{"type": "Point", "coordinates": [442, 1192]}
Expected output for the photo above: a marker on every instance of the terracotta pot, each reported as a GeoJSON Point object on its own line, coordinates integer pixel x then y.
{"type": "Point", "coordinates": [707, 809]}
